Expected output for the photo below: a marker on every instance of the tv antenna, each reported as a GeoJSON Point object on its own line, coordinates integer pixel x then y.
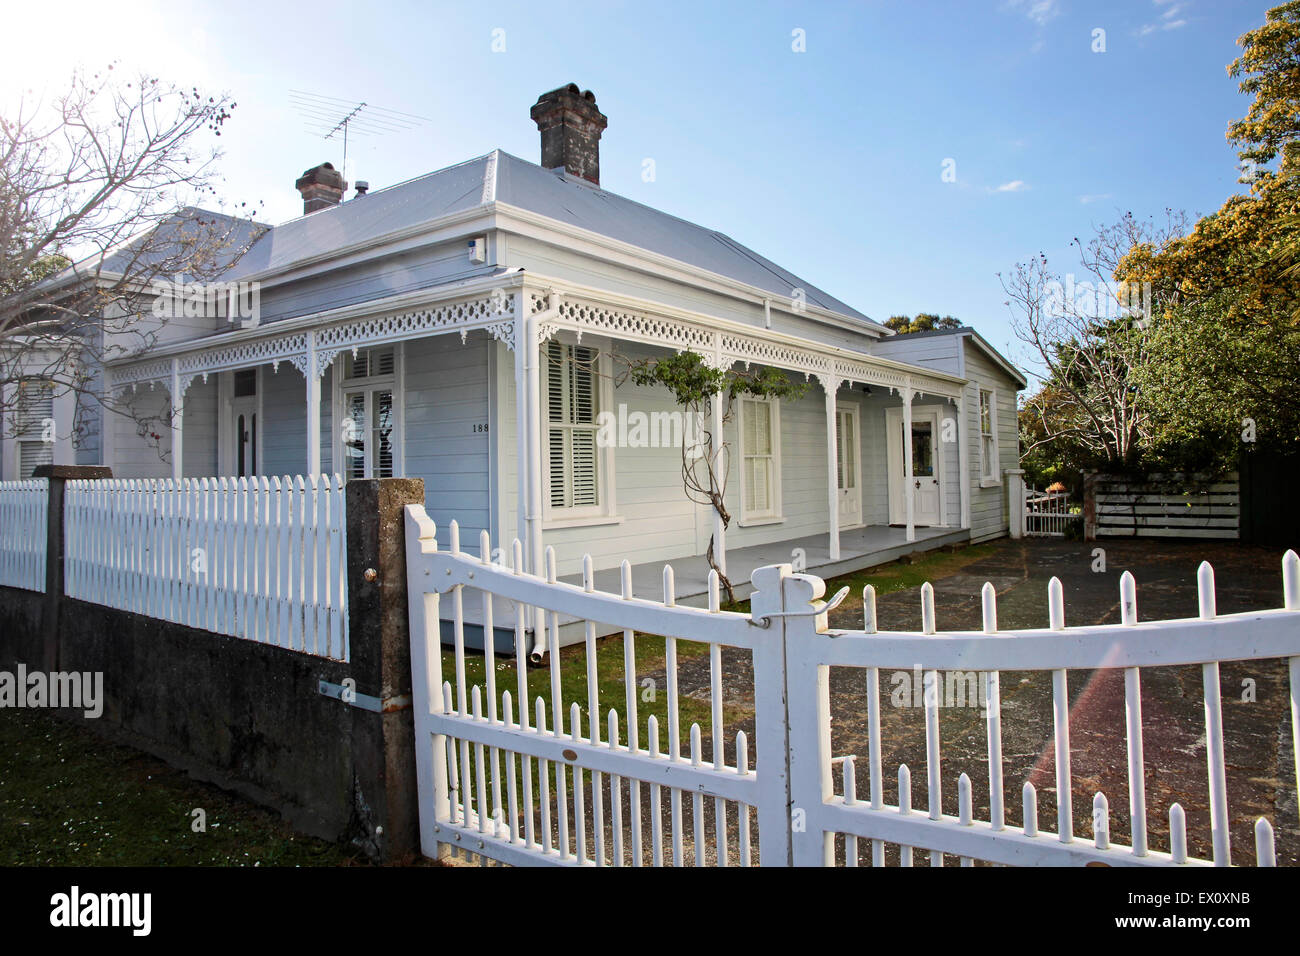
{"type": "Point", "coordinates": [332, 118]}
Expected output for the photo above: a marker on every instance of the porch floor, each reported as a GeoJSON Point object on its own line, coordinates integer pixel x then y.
{"type": "Point", "coordinates": [863, 547]}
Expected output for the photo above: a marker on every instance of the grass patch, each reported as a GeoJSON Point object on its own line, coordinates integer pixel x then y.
{"type": "Point", "coordinates": [650, 659]}
{"type": "Point", "coordinates": [610, 686]}
{"type": "Point", "coordinates": [897, 576]}
{"type": "Point", "coordinates": [69, 798]}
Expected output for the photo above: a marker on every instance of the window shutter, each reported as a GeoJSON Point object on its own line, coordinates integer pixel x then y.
{"type": "Point", "coordinates": [35, 405]}
{"type": "Point", "coordinates": [33, 453]}
{"type": "Point", "coordinates": [571, 397]}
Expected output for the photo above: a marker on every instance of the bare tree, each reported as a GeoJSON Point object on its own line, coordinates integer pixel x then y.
{"type": "Point", "coordinates": [98, 207]}
{"type": "Point", "coordinates": [1089, 332]}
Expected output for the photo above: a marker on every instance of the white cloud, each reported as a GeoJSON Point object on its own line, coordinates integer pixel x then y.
{"type": "Point", "coordinates": [1170, 17]}
{"type": "Point", "coordinates": [1039, 11]}
{"type": "Point", "coordinates": [1093, 197]}
{"type": "Point", "coordinates": [1015, 186]}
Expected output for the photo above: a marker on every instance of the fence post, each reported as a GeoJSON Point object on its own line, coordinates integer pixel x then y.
{"type": "Point", "coordinates": [807, 682]}
{"type": "Point", "coordinates": [385, 801]}
{"type": "Point", "coordinates": [1015, 502]}
{"type": "Point", "coordinates": [57, 476]}
{"type": "Point", "coordinates": [771, 712]}
{"type": "Point", "coordinates": [1090, 506]}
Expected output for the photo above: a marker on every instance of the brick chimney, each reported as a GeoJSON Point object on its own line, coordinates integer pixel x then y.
{"type": "Point", "coordinates": [321, 187]}
{"type": "Point", "coordinates": [571, 126]}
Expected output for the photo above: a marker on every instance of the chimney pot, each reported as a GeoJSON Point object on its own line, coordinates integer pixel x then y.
{"type": "Point", "coordinates": [321, 187]}
{"type": "Point", "coordinates": [363, 187]}
{"type": "Point", "coordinates": [570, 124]}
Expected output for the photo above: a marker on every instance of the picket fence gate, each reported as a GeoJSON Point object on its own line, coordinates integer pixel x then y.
{"type": "Point", "coordinates": [1047, 513]}
{"type": "Point", "coordinates": [786, 809]}
{"type": "Point", "coordinates": [261, 559]}
{"type": "Point", "coordinates": [23, 506]}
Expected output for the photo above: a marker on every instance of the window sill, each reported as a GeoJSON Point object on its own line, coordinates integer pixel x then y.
{"type": "Point", "coordinates": [758, 522]}
{"type": "Point", "coordinates": [591, 521]}
{"type": "Point", "coordinates": [990, 482]}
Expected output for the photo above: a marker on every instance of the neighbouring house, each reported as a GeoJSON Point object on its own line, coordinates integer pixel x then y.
{"type": "Point", "coordinates": [465, 328]}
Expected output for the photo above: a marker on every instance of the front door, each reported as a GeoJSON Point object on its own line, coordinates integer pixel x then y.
{"type": "Point", "coordinates": [925, 487]}
{"type": "Point", "coordinates": [848, 465]}
{"type": "Point", "coordinates": [243, 424]}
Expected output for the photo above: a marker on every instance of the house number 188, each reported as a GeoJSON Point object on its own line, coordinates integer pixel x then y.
{"type": "Point", "coordinates": [480, 428]}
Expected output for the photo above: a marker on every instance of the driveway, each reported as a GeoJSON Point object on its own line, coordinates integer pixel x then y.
{"type": "Point", "coordinates": [1260, 763]}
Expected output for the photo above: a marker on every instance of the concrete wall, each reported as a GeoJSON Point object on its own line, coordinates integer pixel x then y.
{"type": "Point", "coordinates": [247, 716]}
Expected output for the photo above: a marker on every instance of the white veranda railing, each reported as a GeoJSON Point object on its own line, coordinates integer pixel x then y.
{"type": "Point", "coordinates": [572, 783]}
{"type": "Point", "coordinates": [257, 558]}
{"type": "Point", "coordinates": [23, 506]}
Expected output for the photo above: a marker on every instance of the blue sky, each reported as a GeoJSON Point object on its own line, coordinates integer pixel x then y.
{"type": "Point", "coordinates": [828, 161]}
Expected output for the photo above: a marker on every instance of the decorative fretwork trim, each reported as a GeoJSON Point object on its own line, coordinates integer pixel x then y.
{"type": "Point", "coordinates": [728, 348]}
{"type": "Point", "coordinates": [482, 312]}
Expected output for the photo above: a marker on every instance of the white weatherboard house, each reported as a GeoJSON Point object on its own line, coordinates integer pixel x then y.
{"type": "Point", "coordinates": [453, 317]}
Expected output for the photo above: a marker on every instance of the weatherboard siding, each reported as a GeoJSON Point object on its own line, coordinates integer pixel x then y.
{"type": "Point", "coordinates": [446, 398]}
{"type": "Point", "coordinates": [989, 504]}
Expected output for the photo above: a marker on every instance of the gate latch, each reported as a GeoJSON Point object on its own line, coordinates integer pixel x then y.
{"type": "Point", "coordinates": [826, 608]}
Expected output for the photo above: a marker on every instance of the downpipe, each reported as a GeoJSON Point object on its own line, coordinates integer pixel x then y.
{"type": "Point", "coordinates": [533, 506]}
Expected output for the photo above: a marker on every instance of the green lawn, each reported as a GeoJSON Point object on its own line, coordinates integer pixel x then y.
{"type": "Point", "coordinates": [69, 798]}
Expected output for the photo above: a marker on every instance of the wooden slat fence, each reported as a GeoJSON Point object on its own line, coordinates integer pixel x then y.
{"type": "Point", "coordinates": [23, 506]}
{"type": "Point", "coordinates": [1166, 508]}
{"type": "Point", "coordinates": [262, 559]}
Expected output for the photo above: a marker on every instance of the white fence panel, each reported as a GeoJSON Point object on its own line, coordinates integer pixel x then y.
{"type": "Point", "coordinates": [23, 533]}
{"type": "Point", "coordinates": [583, 786]}
{"type": "Point", "coordinates": [1206, 641]}
{"type": "Point", "coordinates": [569, 797]}
{"type": "Point", "coordinates": [262, 559]}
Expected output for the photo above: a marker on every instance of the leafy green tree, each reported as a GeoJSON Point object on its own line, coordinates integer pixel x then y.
{"type": "Point", "coordinates": [1224, 348]}
{"type": "Point", "coordinates": [921, 322]}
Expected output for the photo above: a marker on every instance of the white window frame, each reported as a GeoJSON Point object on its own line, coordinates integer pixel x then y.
{"type": "Point", "coordinates": [990, 469]}
{"type": "Point", "coordinates": [396, 383]}
{"type": "Point", "coordinates": [604, 511]}
{"type": "Point", "coordinates": [774, 515]}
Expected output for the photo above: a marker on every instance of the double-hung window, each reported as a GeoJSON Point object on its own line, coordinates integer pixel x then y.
{"type": "Point", "coordinates": [369, 434]}
{"type": "Point", "coordinates": [575, 485]}
{"type": "Point", "coordinates": [988, 435]}
{"type": "Point", "coordinates": [760, 459]}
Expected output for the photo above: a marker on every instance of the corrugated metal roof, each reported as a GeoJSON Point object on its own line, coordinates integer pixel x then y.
{"type": "Point", "coordinates": [578, 203]}
{"type": "Point", "coordinates": [526, 185]}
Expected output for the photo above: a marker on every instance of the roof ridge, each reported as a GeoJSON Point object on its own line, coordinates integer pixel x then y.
{"type": "Point", "coordinates": [404, 182]}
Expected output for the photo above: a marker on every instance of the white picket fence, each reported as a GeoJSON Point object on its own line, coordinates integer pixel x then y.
{"type": "Point", "coordinates": [1047, 513]}
{"type": "Point", "coordinates": [262, 559]}
{"type": "Point", "coordinates": [23, 506]}
{"type": "Point", "coordinates": [576, 785]}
